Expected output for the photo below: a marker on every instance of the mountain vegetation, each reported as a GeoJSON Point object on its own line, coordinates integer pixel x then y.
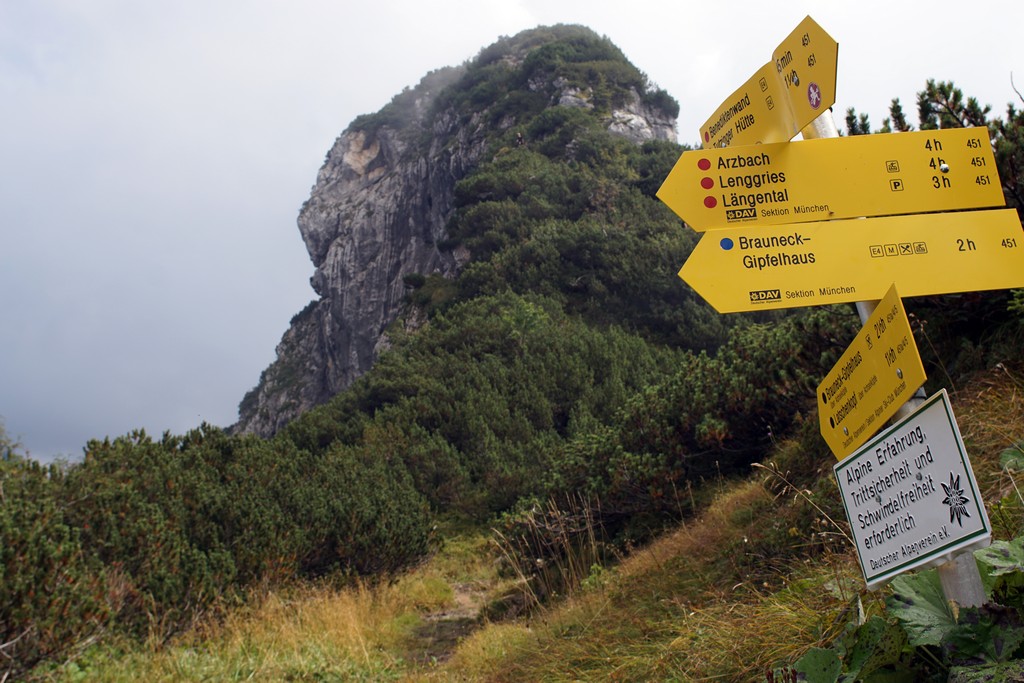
{"type": "Point", "coordinates": [564, 388]}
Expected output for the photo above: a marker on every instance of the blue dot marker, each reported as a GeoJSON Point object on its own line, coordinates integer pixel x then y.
{"type": "Point", "coordinates": [726, 243]}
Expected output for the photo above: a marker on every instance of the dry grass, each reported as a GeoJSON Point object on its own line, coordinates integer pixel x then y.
{"type": "Point", "coordinates": [306, 632]}
{"type": "Point", "coordinates": [678, 609]}
{"type": "Point", "coordinates": [354, 624]}
{"type": "Point", "coordinates": [483, 655]}
{"type": "Point", "coordinates": [745, 636]}
{"type": "Point", "coordinates": [990, 411]}
{"type": "Point", "coordinates": [362, 632]}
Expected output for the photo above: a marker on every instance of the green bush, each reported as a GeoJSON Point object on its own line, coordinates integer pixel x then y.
{"type": "Point", "coordinates": [148, 510]}
{"type": "Point", "coordinates": [361, 511]}
{"type": "Point", "coordinates": [712, 416]}
{"type": "Point", "coordinates": [49, 599]}
{"type": "Point", "coordinates": [189, 521]}
{"type": "Point", "coordinates": [477, 402]}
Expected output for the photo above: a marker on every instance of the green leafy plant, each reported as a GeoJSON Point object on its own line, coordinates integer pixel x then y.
{"type": "Point", "coordinates": [873, 652]}
{"type": "Point", "coordinates": [926, 636]}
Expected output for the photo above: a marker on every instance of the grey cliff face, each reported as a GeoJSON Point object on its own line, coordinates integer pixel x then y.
{"type": "Point", "coordinates": [639, 122]}
{"type": "Point", "coordinates": [375, 216]}
{"type": "Point", "coordinates": [377, 213]}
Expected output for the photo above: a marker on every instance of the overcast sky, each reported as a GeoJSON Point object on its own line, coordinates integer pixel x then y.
{"type": "Point", "coordinates": [154, 156]}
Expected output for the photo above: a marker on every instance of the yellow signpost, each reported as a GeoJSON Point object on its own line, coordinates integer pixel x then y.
{"type": "Point", "coordinates": [783, 96]}
{"type": "Point", "coordinates": [830, 178]}
{"type": "Point", "coordinates": [876, 375]}
{"type": "Point", "coordinates": [831, 262]}
{"type": "Point", "coordinates": [799, 246]}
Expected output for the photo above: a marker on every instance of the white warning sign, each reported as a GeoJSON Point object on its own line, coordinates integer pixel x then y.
{"type": "Point", "coordinates": [911, 496]}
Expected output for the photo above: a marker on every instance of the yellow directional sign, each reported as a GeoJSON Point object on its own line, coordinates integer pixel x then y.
{"type": "Point", "coordinates": [783, 96]}
{"type": "Point", "coordinates": [806, 62]}
{"type": "Point", "coordinates": [831, 262]}
{"type": "Point", "coordinates": [876, 375]}
{"type": "Point", "coordinates": [830, 178]}
{"type": "Point", "coordinates": [757, 112]}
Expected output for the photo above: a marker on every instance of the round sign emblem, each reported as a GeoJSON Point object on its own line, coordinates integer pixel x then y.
{"type": "Point", "coordinates": [814, 95]}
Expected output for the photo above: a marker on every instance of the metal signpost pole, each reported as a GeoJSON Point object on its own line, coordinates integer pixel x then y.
{"type": "Point", "coordinates": [960, 578]}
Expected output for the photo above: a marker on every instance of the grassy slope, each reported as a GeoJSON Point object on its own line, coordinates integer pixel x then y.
{"type": "Point", "coordinates": [726, 596]}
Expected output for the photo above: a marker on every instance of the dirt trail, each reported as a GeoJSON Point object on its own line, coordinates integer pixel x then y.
{"type": "Point", "coordinates": [435, 640]}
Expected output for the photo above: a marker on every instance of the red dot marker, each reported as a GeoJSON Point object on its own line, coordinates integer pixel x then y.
{"type": "Point", "coordinates": [707, 136]}
{"type": "Point", "coordinates": [704, 164]}
{"type": "Point", "coordinates": [710, 202]}
{"type": "Point", "coordinates": [707, 183]}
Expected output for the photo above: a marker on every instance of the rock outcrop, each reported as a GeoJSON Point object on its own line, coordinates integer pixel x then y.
{"type": "Point", "coordinates": [377, 214]}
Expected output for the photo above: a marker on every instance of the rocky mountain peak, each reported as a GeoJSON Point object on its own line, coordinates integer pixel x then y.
{"type": "Point", "coordinates": [383, 198]}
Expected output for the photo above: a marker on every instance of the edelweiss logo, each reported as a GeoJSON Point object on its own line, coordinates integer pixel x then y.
{"type": "Point", "coordinates": [763, 296]}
